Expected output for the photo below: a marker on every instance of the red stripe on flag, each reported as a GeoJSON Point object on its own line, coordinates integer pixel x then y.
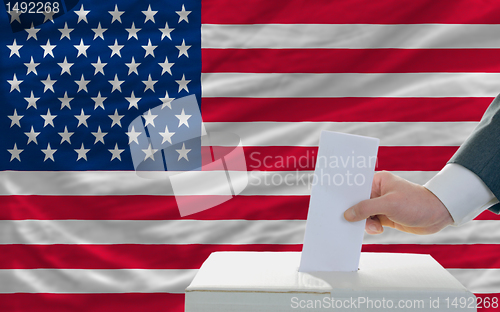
{"type": "Point", "coordinates": [135, 256]}
{"type": "Point", "coordinates": [134, 207]}
{"type": "Point", "coordinates": [487, 215]}
{"type": "Point", "coordinates": [480, 256]}
{"type": "Point", "coordinates": [143, 207]}
{"type": "Point", "coordinates": [391, 158]}
{"type": "Point", "coordinates": [126, 302]}
{"type": "Point", "coordinates": [123, 256]}
{"type": "Point", "coordinates": [138, 207]}
{"type": "Point", "coordinates": [350, 60]}
{"type": "Point", "coordinates": [350, 12]}
{"type": "Point", "coordinates": [343, 109]}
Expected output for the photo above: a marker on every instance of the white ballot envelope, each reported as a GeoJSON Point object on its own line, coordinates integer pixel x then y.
{"type": "Point", "coordinates": [343, 176]}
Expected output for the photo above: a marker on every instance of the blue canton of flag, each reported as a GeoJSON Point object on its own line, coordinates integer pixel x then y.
{"type": "Point", "coordinates": [71, 86]}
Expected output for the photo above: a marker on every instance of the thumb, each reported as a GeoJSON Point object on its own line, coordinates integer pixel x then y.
{"type": "Point", "coordinates": [367, 208]}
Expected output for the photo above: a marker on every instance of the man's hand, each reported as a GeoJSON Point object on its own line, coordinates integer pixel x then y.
{"type": "Point", "coordinates": [400, 204]}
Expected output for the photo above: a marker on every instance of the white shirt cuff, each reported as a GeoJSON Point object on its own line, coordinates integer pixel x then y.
{"type": "Point", "coordinates": [462, 192]}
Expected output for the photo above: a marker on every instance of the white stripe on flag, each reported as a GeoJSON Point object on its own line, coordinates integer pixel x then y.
{"type": "Point", "coordinates": [78, 281]}
{"type": "Point", "coordinates": [283, 183]}
{"type": "Point", "coordinates": [306, 85]}
{"type": "Point", "coordinates": [96, 183]}
{"type": "Point", "coordinates": [478, 281]}
{"type": "Point", "coordinates": [307, 133]}
{"type": "Point", "coordinates": [94, 281]}
{"type": "Point", "coordinates": [180, 232]}
{"type": "Point", "coordinates": [351, 36]}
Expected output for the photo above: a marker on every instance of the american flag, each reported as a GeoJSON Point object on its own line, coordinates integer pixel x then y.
{"type": "Point", "coordinates": [80, 231]}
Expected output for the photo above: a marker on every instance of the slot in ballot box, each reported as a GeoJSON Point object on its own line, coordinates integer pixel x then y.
{"type": "Point", "coordinates": [271, 282]}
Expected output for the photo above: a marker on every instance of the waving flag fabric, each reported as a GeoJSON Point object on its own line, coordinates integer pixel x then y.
{"type": "Point", "coordinates": [81, 231]}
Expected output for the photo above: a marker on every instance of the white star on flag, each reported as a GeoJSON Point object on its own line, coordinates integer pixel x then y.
{"type": "Point", "coordinates": [82, 84]}
{"type": "Point", "coordinates": [149, 49]}
{"type": "Point", "coordinates": [31, 100]}
{"type": "Point", "coordinates": [65, 101]}
{"type": "Point", "coordinates": [82, 14]}
{"type": "Point", "coordinates": [116, 84]}
{"type": "Point", "coordinates": [183, 119]}
{"type": "Point", "coordinates": [31, 67]}
{"type": "Point", "coordinates": [150, 151]}
{"type": "Point", "coordinates": [82, 119]}
{"type": "Point", "coordinates": [82, 49]}
{"type": "Point", "coordinates": [116, 119]}
{"type": "Point", "coordinates": [183, 15]}
{"type": "Point", "coordinates": [133, 136]}
{"type": "Point", "coordinates": [65, 31]}
{"type": "Point", "coordinates": [32, 136]}
{"type": "Point", "coordinates": [14, 48]}
{"type": "Point", "coordinates": [165, 32]}
{"type": "Point", "coordinates": [183, 152]}
{"type": "Point", "coordinates": [99, 135]}
{"type": "Point", "coordinates": [132, 31]}
{"type": "Point", "coordinates": [166, 101]}
{"type": "Point", "coordinates": [183, 49]}
{"type": "Point", "coordinates": [149, 118]}
{"type": "Point", "coordinates": [166, 66]}
{"type": "Point", "coordinates": [49, 153]}
{"type": "Point", "coordinates": [15, 119]}
{"type": "Point", "coordinates": [66, 136]}
{"type": "Point", "coordinates": [99, 31]}
{"type": "Point", "coordinates": [65, 66]}
{"type": "Point", "coordinates": [99, 67]}
{"type": "Point", "coordinates": [32, 31]}
{"type": "Point", "coordinates": [149, 15]}
{"type": "Point", "coordinates": [48, 119]}
{"type": "Point", "coordinates": [14, 83]}
{"type": "Point", "coordinates": [48, 15]}
{"type": "Point", "coordinates": [133, 101]}
{"type": "Point", "coordinates": [47, 49]}
{"type": "Point", "coordinates": [115, 153]}
{"type": "Point", "coordinates": [115, 49]}
{"type": "Point", "coordinates": [132, 67]}
{"type": "Point", "coordinates": [167, 136]}
{"type": "Point", "coordinates": [99, 101]}
{"type": "Point", "coordinates": [150, 84]}
{"type": "Point", "coordinates": [15, 153]}
{"type": "Point", "coordinates": [183, 83]}
{"type": "Point", "coordinates": [82, 152]}
{"type": "Point", "coordinates": [49, 84]}
{"type": "Point", "coordinates": [116, 15]}
{"type": "Point", "coordinates": [15, 15]}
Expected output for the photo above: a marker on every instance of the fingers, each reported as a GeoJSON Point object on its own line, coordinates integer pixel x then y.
{"type": "Point", "coordinates": [384, 221]}
{"type": "Point", "coordinates": [367, 208]}
{"type": "Point", "coordinates": [373, 226]}
{"type": "Point", "coordinates": [381, 181]}
{"type": "Point", "coordinates": [376, 190]}
{"type": "Point", "coordinates": [379, 203]}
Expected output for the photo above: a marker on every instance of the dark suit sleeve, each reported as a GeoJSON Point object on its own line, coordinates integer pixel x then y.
{"type": "Point", "coordinates": [480, 153]}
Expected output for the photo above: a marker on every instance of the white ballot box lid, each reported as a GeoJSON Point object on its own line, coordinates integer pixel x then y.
{"type": "Point", "coordinates": [270, 281]}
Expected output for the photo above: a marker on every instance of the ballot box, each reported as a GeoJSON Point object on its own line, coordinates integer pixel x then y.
{"type": "Point", "coordinates": [271, 282]}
